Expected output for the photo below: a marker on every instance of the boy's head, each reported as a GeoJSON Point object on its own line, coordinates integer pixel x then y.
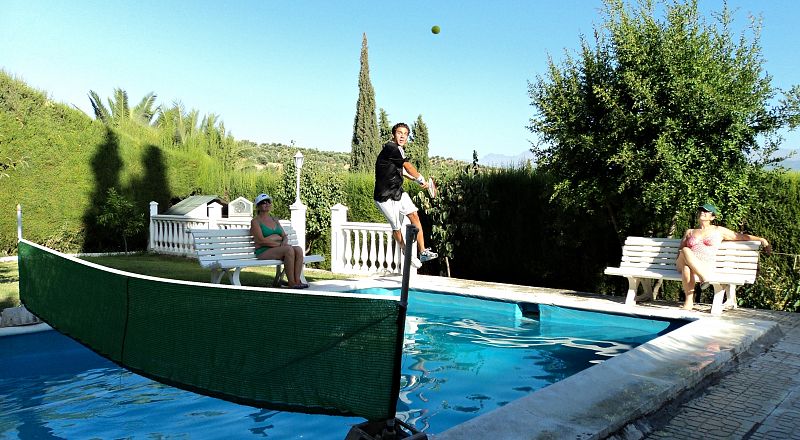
{"type": "Point", "coordinates": [400, 133]}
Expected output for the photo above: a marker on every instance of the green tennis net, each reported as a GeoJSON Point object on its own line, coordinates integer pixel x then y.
{"type": "Point", "coordinates": [305, 352]}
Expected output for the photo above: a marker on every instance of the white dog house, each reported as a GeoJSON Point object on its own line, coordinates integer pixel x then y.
{"type": "Point", "coordinates": [240, 207]}
{"type": "Point", "coordinates": [198, 207]}
{"type": "Point", "coordinates": [169, 231]}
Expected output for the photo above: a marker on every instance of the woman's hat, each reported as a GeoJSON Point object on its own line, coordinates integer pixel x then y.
{"type": "Point", "coordinates": [261, 197]}
{"type": "Point", "coordinates": [710, 208]}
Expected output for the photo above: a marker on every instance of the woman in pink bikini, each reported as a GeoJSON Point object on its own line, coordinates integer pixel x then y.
{"type": "Point", "coordinates": [698, 250]}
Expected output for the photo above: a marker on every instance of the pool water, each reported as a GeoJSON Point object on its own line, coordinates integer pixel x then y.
{"type": "Point", "coordinates": [462, 357]}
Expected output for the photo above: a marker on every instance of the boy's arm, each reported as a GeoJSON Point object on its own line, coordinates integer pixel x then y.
{"type": "Point", "coordinates": [410, 172]}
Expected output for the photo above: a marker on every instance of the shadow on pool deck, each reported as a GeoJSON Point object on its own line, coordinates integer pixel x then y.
{"type": "Point", "coordinates": [731, 377]}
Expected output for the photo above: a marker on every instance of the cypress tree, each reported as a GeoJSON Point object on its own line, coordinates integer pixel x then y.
{"type": "Point", "coordinates": [417, 149]}
{"type": "Point", "coordinates": [366, 144]}
{"type": "Point", "coordinates": [384, 126]}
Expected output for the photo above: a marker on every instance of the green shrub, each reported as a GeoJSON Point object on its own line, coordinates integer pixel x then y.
{"type": "Point", "coordinates": [119, 215]}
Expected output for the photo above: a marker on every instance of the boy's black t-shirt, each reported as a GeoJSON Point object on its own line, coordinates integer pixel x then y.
{"type": "Point", "coordinates": [389, 173]}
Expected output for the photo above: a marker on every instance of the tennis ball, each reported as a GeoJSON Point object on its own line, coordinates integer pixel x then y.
{"type": "Point", "coordinates": [435, 29]}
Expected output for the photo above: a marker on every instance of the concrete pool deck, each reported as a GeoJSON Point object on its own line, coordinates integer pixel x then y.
{"type": "Point", "coordinates": [729, 377]}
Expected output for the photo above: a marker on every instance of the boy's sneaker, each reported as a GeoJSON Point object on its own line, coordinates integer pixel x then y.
{"type": "Point", "coordinates": [415, 262]}
{"type": "Point", "coordinates": [427, 255]}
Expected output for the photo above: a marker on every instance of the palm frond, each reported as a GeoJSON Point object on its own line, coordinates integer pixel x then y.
{"type": "Point", "coordinates": [119, 105]}
{"type": "Point", "coordinates": [100, 110]}
{"type": "Point", "coordinates": [191, 122]}
{"type": "Point", "coordinates": [145, 110]}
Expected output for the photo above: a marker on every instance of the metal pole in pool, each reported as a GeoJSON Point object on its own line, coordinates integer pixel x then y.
{"type": "Point", "coordinates": [19, 222]}
{"type": "Point", "coordinates": [393, 428]}
{"type": "Point", "coordinates": [411, 237]}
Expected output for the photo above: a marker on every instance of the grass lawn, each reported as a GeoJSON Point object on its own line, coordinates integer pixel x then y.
{"type": "Point", "coordinates": [163, 266]}
{"type": "Point", "coordinates": [9, 285]}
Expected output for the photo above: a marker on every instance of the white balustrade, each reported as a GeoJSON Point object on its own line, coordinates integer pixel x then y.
{"type": "Point", "coordinates": [365, 249]}
{"type": "Point", "coordinates": [233, 223]}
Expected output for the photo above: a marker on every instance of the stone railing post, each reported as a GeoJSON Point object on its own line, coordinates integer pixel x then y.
{"type": "Point", "coordinates": [338, 218]}
{"type": "Point", "coordinates": [151, 237]}
{"type": "Point", "coordinates": [214, 215]}
{"type": "Point", "coordinates": [298, 219]}
{"type": "Point", "coordinates": [19, 222]}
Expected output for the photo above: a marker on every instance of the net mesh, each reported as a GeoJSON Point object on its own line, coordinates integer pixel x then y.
{"type": "Point", "coordinates": [278, 350]}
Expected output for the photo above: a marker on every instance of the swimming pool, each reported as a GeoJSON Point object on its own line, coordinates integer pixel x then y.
{"type": "Point", "coordinates": [462, 357]}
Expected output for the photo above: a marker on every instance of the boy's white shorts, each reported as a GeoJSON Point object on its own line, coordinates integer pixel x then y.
{"type": "Point", "coordinates": [395, 210]}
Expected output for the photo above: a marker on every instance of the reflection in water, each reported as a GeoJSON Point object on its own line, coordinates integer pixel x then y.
{"type": "Point", "coordinates": [457, 368]}
{"type": "Point", "coordinates": [457, 363]}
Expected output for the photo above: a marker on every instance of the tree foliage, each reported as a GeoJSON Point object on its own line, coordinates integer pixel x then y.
{"type": "Point", "coordinates": [121, 216]}
{"type": "Point", "coordinates": [417, 149]}
{"type": "Point", "coordinates": [384, 126]}
{"type": "Point", "coordinates": [8, 164]}
{"type": "Point", "coordinates": [118, 108]}
{"type": "Point", "coordinates": [318, 191]}
{"type": "Point", "coordinates": [366, 143]}
{"type": "Point", "coordinates": [660, 114]}
{"type": "Point", "coordinates": [455, 215]}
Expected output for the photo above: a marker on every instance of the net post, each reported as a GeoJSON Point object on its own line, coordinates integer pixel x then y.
{"type": "Point", "coordinates": [411, 237]}
{"type": "Point", "coordinates": [411, 234]}
{"type": "Point", "coordinates": [19, 222]}
{"type": "Point", "coordinates": [393, 428]}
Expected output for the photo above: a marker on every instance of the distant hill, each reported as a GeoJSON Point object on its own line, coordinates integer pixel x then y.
{"type": "Point", "coordinates": [505, 161]}
{"type": "Point", "coordinates": [793, 163]}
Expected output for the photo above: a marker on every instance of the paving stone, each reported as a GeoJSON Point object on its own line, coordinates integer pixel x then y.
{"type": "Point", "coordinates": [695, 423]}
{"type": "Point", "coordinates": [758, 399]}
{"type": "Point", "coordinates": [788, 347]}
{"type": "Point", "coordinates": [776, 433]}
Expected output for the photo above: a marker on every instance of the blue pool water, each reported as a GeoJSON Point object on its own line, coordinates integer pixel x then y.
{"type": "Point", "coordinates": [462, 357]}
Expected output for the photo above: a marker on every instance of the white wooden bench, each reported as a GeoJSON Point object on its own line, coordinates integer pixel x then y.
{"type": "Point", "coordinates": [230, 250]}
{"type": "Point", "coordinates": [646, 261]}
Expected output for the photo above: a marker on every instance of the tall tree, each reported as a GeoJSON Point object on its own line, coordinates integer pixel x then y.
{"type": "Point", "coordinates": [660, 114]}
{"type": "Point", "coordinates": [365, 145]}
{"type": "Point", "coordinates": [417, 149]}
{"type": "Point", "coordinates": [384, 126]}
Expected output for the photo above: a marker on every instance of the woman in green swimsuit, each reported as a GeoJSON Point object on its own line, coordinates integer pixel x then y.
{"type": "Point", "coordinates": [272, 244]}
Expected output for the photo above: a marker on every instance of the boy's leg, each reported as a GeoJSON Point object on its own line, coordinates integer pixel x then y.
{"type": "Point", "coordinates": [398, 237]}
{"type": "Point", "coordinates": [391, 212]}
{"type": "Point", "coordinates": [414, 219]}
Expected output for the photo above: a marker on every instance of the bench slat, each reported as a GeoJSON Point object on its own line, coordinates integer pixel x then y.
{"type": "Point", "coordinates": [673, 275]}
{"type": "Point", "coordinates": [225, 247]}
{"type": "Point", "coordinates": [719, 269]}
{"type": "Point", "coordinates": [222, 257]}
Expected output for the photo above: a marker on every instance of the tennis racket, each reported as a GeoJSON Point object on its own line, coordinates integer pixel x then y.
{"type": "Point", "coordinates": [432, 191]}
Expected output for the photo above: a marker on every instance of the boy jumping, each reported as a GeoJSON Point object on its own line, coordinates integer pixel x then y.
{"type": "Point", "coordinates": [389, 195]}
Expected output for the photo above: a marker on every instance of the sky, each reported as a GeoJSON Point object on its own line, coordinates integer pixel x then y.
{"type": "Point", "coordinates": [287, 71]}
